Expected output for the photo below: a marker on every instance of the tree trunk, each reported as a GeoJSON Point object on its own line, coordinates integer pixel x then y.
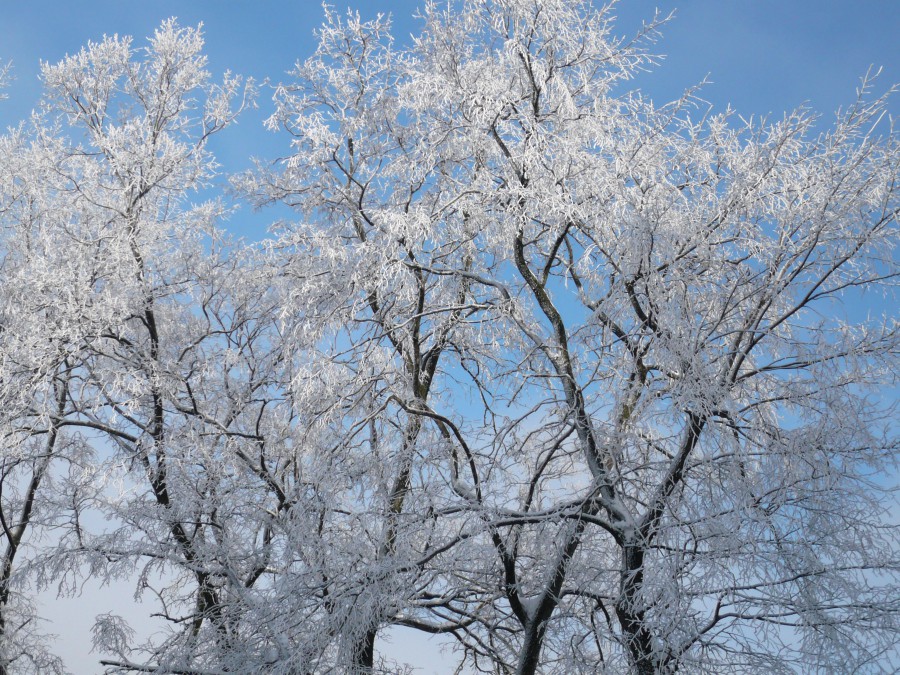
{"type": "Point", "coordinates": [363, 651]}
{"type": "Point", "coordinates": [630, 613]}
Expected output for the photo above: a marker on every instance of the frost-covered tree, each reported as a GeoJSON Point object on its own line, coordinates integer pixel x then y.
{"type": "Point", "coordinates": [584, 383]}
{"type": "Point", "coordinates": [111, 265]}
{"type": "Point", "coordinates": [370, 326]}
{"type": "Point", "coordinates": [39, 338]}
{"type": "Point", "coordinates": [654, 436]}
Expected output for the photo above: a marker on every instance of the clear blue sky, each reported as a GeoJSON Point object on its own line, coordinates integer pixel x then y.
{"type": "Point", "coordinates": [763, 57]}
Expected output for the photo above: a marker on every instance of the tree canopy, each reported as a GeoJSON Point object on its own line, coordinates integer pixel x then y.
{"type": "Point", "coordinates": [586, 383]}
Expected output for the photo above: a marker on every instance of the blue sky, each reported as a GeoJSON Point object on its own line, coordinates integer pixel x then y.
{"type": "Point", "coordinates": [763, 57]}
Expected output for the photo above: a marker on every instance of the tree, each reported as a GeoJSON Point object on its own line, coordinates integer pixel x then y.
{"type": "Point", "coordinates": [369, 307]}
{"type": "Point", "coordinates": [109, 254]}
{"type": "Point", "coordinates": [36, 365]}
{"type": "Point", "coordinates": [572, 378]}
{"type": "Point", "coordinates": [672, 451]}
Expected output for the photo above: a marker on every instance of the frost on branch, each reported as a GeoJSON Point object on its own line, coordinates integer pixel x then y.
{"type": "Point", "coordinates": [4, 79]}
